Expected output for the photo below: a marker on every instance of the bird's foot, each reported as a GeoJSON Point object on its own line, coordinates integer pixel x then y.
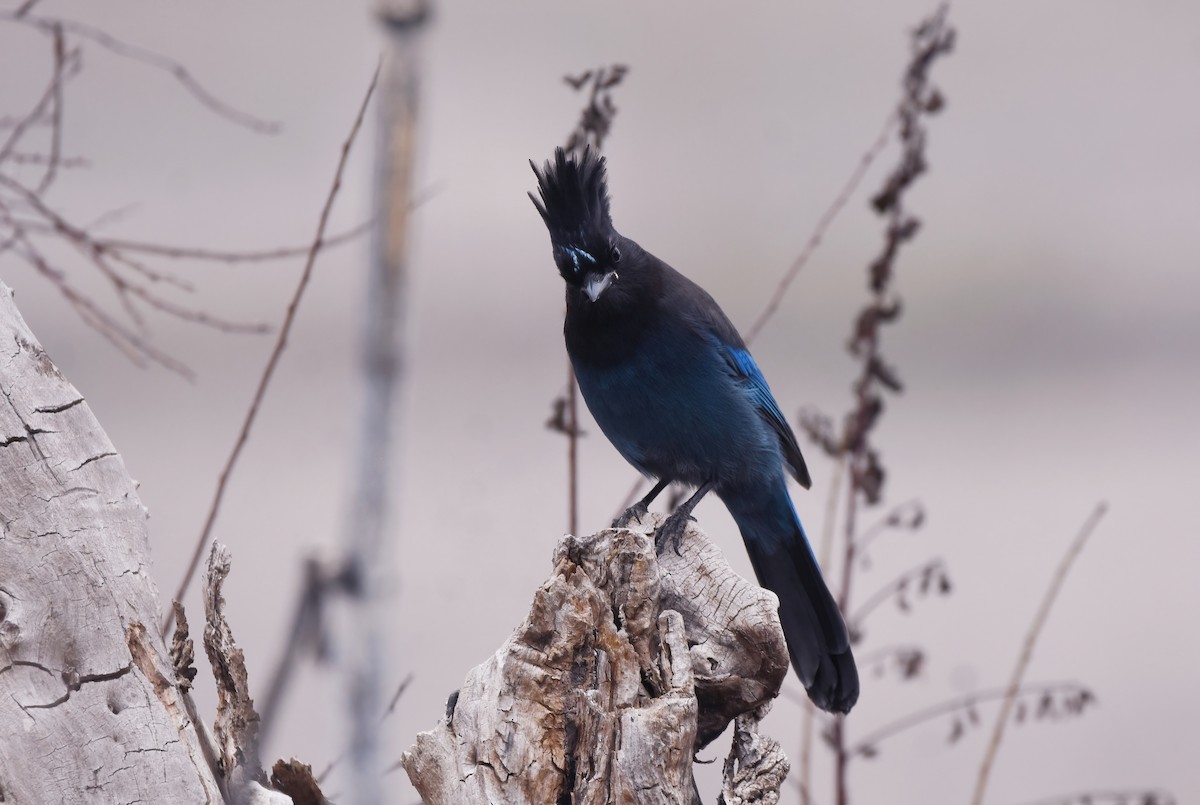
{"type": "Point", "coordinates": [671, 532]}
{"type": "Point", "coordinates": [633, 514]}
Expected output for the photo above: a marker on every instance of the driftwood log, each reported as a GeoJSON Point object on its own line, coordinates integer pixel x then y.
{"type": "Point", "coordinates": [626, 665]}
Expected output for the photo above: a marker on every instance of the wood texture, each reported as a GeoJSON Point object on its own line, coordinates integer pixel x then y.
{"type": "Point", "coordinates": [626, 664]}
{"type": "Point", "coordinates": [89, 710]}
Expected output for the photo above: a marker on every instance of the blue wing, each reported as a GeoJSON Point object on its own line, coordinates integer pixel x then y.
{"type": "Point", "coordinates": [756, 386]}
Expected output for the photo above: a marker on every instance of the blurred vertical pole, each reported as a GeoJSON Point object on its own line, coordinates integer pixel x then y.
{"type": "Point", "coordinates": [381, 356]}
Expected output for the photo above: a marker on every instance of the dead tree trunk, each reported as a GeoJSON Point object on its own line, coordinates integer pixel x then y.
{"type": "Point", "coordinates": [625, 666]}
{"type": "Point", "coordinates": [89, 709]}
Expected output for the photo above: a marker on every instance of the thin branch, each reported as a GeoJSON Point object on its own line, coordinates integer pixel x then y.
{"type": "Point", "coordinates": [908, 657]}
{"type": "Point", "coordinates": [391, 708]}
{"type": "Point", "coordinates": [21, 158]}
{"type": "Point", "coordinates": [276, 353]}
{"type": "Point", "coordinates": [595, 122]}
{"type": "Point", "coordinates": [572, 411]}
{"type": "Point", "coordinates": [909, 515]}
{"type": "Point", "coordinates": [219, 256]}
{"type": "Point", "coordinates": [146, 56]}
{"type": "Point", "coordinates": [929, 572]}
{"type": "Point", "coordinates": [251, 256]}
{"type": "Point", "coordinates": [828, 532]}
{"type": "Point", "coordinates": [98, 255]}
{"type": "Point", "coordinates": [931, 38]}
{"type": "Point", "coordinates": [1129, 797]}
{"type": "Point", "coordinates": [63, 71]}
{"type": "Point", "coordinates": [1035, 629]}
{"type": "Point", "coordinates": [823, 223]}
{"type": "Point", "coordinates": [60, 59]}
{"type": "Point", "coordinates": [131, 344]}
{"type": "Point", "coordinates": [806, 796]}
{"type": "Point", "coordinates": [305, 633]}
{"type": "Point", "coordinates": [866, 744]}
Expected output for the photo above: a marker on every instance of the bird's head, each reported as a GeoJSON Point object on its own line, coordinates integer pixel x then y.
{"type": "Point", "coordinates": [574, 204]}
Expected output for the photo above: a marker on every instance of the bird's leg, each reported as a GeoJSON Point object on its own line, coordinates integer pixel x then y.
{"type": "Point", "coordinates": [671, 531]}
{"type": "Point", "coordinates": [637, 511]}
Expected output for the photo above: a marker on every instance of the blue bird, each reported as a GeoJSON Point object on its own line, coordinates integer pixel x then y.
{"type": "Point", "coordinates": [672, 385]}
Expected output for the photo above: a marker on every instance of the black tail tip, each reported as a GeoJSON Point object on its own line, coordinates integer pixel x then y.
{"type": "Point", "coordinates": [835, 688]}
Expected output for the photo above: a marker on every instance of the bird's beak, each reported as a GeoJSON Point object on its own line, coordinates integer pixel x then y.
{"type": "Point", "coordinates": [596, 285]}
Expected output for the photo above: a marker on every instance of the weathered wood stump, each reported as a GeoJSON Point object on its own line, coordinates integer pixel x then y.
{"type": "Point", "coordinates": [625, 666]}
{"type": "Point", "coordinates": [93, 706]}
{"type": "Point", "coordinates": [89, 709]}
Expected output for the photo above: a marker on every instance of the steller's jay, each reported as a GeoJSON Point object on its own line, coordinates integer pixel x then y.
{"type": "Point", "coordinates": [670, 382]}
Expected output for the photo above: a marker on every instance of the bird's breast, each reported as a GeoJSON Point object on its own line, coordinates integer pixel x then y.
{"type": "Point", "coordinates": [671, 408]}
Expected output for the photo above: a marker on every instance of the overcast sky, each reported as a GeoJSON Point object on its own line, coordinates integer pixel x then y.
{"type": "Point", "coordinates": [1050, 343]}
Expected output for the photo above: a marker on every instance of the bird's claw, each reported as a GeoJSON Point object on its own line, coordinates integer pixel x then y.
{"type": "Point", "coordinates": [633, 514]}
{"type": "Point", "coordinates": [671, 533]}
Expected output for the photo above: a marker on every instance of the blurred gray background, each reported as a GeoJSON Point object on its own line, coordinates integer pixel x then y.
{"type": "Point", "coordinates": [1050, 342]}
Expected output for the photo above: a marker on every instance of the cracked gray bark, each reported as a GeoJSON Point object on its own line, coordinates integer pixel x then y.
{"type": "Point", "coordinates": [625, 666]}
{"type": "Point", "coordinates": [89, 710]}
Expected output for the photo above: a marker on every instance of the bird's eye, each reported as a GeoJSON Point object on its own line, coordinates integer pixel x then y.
{"type": "Point", "coordinates": [614, 254]}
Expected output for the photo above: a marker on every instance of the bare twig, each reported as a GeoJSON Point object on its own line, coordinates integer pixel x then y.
{"type": "Point", "coordinates": [930, 575]}
{"type": "Point", "coordinates": [64, 69]}
{"type": "Point", "coordinates": [222, 256]}
{"type": "Point", "coordinates": [391, 708]}
{"type": "Point", "coordinates": [828, 532]}
{"type": "Point", "coordinates": [100, 257]}
{"type": "Point", "coordinates": [823, 223]}
{"type": "Point", "coordinates": [126, 50]}
{"type": "Point", "coordinates": [907, 516]}
{"type": "Point", "coordinates": [1148, 796]}
{"type": "Point", "coordinates": [276, 353]}
{"type": "Point", "coordinates": [333, 764]}
{"type": "Point", "coordinates": [130, 343]}
{"type": "Point", "coordinates": [22, 158]}
{"type": "Point", "coordinates": [572, 411]}
{"type": "Point", "coordinates": [1035, 629]}
{"type": "Point", "coordinates": [305, 635]}
{"type": "Point", "coordinates": [908, 658]}
{"type": "Point", "coordinates": [365, 534]}
{"type": "Point", "coordinates": [868, 744]}
{"type": "Point", "coordinates": [595, 121]}
{"type": "Point", "coordinates": [56, 113]}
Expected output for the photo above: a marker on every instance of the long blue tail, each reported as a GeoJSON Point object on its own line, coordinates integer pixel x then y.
{"type": "Point", "coordinates": [784, 563]}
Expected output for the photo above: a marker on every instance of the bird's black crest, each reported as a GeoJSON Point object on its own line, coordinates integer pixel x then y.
{"type": "Point", "coordinates": [574, 198]}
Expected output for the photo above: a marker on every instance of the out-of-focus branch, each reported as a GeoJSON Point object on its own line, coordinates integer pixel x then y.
{"type": "Point", "coordinates": [51, 25]}
{"type": "Point", "coordinates": [276, 353]}
{"type": "Point", "coordinates": [908, 658]}
{"type": "Point", "coordinates": [932, 38]}
{"type": "Point", "coordinates": [595, 122]}
{"type": "Point", "coordinates": [366, 534]}
{"type": "Point", "coordinates": [823, 223]}
{"type": "Point", "coordinates": [305, 636]}
{"type": "Point", "coordinates": [1072, 696]}
{"type": "Point", "coordinates": [29, 222]}
{"type": "Point", "coordinates": [824, 556]}
{"type": "Point", "coordinates": [1133, 796]}
{"type": "Point", "coordinates": [929, 576]}
{"type": "Point", "coordinates": [906, 516]}
{"type": "Point", "coordinates": [229, 256]}
{"type": "Point", "coordinates": [1035, 630]}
